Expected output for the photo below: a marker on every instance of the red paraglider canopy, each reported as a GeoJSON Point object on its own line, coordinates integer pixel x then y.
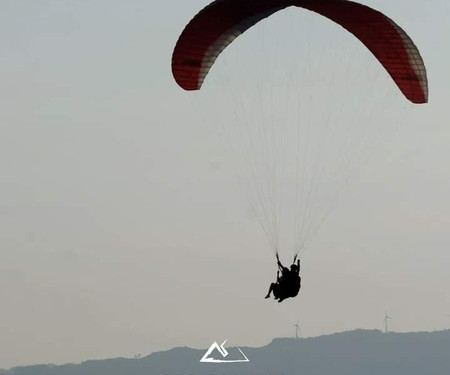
{"type": "Point", "coordinates": [217, 25]}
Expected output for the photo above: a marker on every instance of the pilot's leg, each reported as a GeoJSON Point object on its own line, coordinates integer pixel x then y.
{"type": "Point", "coordinates": [272, 288]}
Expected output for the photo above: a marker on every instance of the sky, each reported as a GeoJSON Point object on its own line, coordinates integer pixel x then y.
{"type": "Point", "coordinates": [123, 228]}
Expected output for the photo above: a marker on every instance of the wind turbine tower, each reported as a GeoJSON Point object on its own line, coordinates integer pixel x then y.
{"type": "Point", "coordinates": [297, 330]}
{"type": "Point", "coordinates": [386, 318]}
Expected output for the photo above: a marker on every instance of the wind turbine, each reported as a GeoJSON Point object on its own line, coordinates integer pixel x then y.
{"type": "Point", "coordinates": [386, 318]}
{"type": "Point", "coordinates": [297, 330]}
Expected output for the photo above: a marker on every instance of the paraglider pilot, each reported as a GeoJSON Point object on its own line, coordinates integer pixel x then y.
{"type": "Point", "coordinates": [288, 284]}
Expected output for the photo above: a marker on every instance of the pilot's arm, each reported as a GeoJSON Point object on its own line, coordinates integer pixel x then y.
{"type": "Point", "coordinates": [279, 263]}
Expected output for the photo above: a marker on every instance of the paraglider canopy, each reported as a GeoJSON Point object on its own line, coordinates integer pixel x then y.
{"type": "Point", "coordinates": [221, 22]}
{"type": "Point", "coordinates": [298, 132]}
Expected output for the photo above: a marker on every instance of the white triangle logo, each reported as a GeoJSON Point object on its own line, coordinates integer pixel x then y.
{"type": "Point", "coordinates": [223, 352]}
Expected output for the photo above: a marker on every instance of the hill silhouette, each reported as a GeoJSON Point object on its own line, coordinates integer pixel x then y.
{"type": "Point", "coordinates": [367, 352]}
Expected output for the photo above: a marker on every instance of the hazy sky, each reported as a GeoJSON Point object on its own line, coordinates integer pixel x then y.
{"type": "Point", "coordinates": [122, 226]}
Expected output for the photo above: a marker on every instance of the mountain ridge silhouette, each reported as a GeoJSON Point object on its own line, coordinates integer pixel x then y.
{"type": "Point", "coordinates": [357, 352]}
